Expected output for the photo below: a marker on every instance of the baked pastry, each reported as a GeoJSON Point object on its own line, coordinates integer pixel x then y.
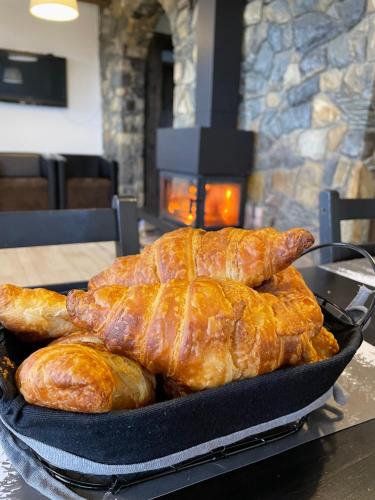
{"type": "Point", "coordinates": [325, 344]}
{"type": "Point", "coordinates": [249, 257]}
{"type": "Point", "coordinates": [285, 285]}
{"type": "Point", "coordinates": [34, 314]}
{"type": "Point", "coordinates": [77, 373]}
{"type": "Point", "coordinates": [83, 338]}
{"type": "Point", "coordinates": [202, 333]}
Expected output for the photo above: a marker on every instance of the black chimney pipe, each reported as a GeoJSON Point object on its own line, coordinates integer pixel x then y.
{"type": "Point", "coordinates": [219, 39]}
{"type": "Point", "coordinates": [214, 146]}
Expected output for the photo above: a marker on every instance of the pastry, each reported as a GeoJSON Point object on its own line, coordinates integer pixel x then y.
{"type": "Point", "coordinates": [202, 333]}
{"type": "Point", "coordinates": [249, 257]}
{"type": "Point", "coordinates": [34, 314]}
{"type": "Point", "coordinates": [77, 373]}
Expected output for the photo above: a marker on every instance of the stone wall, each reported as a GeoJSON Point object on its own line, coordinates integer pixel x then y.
{"type": "Point", "coordinates": [126, 28]}
{"type": "Point", "coordinates": [307, 88]}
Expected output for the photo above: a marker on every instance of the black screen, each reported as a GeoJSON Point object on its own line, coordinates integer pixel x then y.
{"type": "Point", "coordinates": [32, 78]}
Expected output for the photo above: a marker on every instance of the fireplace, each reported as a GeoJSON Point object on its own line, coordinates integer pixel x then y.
{"type": "Point", "coordinates": [203, 169]}
{"type": "Point", "coordinates": [207, 202]}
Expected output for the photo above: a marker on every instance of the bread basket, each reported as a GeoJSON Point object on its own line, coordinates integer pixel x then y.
{"type": "Point", "coordinates": [122, 446]}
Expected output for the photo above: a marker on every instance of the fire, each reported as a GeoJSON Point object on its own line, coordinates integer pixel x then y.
{"type": "Point", "coordinates": [180, 198]}
{"type": "Point", "coordinates": [221, 205]}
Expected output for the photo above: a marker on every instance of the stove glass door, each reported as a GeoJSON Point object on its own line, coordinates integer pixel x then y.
{"type": "Point", "coordinates": [222, 204]}
{"type": "Point", "coordinates": [179, 199]}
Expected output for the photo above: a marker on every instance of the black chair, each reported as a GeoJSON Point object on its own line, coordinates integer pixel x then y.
{"type": "Point", "coordinates": [332, 210]}
{"type": "Point", "coordinates": [86, 181]}
{"type": "Point", "coordinates": [27, 182]}
{"type": "Point", "coordinates": [57, 227]}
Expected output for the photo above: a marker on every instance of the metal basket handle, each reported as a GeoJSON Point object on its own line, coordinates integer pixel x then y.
{"type": "Point", "coordinates": [365, 318]}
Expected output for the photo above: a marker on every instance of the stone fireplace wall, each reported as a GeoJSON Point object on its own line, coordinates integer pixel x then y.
{"type": "Point", "coordinates": [126, 28]}
{"type": "Point", "coordinates": [308, 79]}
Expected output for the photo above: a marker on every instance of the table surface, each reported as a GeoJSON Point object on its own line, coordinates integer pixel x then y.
{"type": "Point", "coordinates": [33, 266]}
{"type": "Point", "coordinates": [339, 466]}
{"type": "Point", "coordinates": [355, 269]}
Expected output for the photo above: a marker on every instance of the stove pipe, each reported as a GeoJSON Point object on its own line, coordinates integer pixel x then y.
{"type": "Point", "coordinates": [214, 146]}
{"type": "Point", "coordinates": [219, 39]}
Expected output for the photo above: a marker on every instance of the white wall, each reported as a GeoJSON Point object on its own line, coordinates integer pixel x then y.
{"type": "Point", "coordinates": [77, 128]}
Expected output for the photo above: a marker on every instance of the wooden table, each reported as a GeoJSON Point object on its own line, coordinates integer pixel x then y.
{"type": "Point", "coordinates": [54, 264]}
{"type": "Point", "coordinates": [340, 466]}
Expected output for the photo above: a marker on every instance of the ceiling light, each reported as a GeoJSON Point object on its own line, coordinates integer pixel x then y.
{"type": "Point", "coordinates": [54, 10]}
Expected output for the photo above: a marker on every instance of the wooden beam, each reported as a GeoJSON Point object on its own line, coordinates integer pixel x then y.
{"type": "Point", "coordinates": [100, 3]}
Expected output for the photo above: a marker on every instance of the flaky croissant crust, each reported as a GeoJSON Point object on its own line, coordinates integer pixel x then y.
{"type": "Point", "coordinates": [204, 333]}
{"type": "Point", "coordinates": [34, 314]}
{"type": "Point", "coordinates": [77, 373]}
{"type": "Point", "coordinates": [246, 256]}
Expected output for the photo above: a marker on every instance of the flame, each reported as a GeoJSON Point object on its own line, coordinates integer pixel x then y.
{"type": "Point", "coordinates": [221, 206]}
{"type": "Point", "coordinates": [180, 202]}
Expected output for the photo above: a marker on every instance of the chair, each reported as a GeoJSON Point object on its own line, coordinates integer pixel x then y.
{"type": "Point", "coordinates": [27, 182]}
{"type": "Point", "coordinates": [57, 227]}
{"type": "Point", "coordinates": [332, 210]}
{"type": "Point", "coordinates": [86, 181]}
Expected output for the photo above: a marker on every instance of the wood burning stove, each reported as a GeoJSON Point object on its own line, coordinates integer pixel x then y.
{"type": "Point", "coordinates": [203, 169]}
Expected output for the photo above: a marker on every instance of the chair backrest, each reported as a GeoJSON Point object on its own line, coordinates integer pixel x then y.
{"type": "Point", "coordinates": [69, 166]}
{"type": "Point", "coordinates": [56, 227]}
{"type": "Point", "coordinates": [31, 165]}
{"type": "Point", "coordinates": [332, 210]}
{"type": "Point", "coordinates": [20, 165]}
{"type": "Point", "coordinates": [86, 165]}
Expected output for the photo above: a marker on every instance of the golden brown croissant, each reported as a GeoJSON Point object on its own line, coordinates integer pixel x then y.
{"type": "Point", "coordinates": [249, 257]}
{"type": "Point", "coordinates": [283, 285]}
{"type": "Point", "coordinates": [202, 333]}
{"type": "Point", "coordinates": [325, 344]}
{"type": "Point", "coordinates": [77, 373]}
{"type": "Point", "coordinates": [34, 314]}
{"type": "Point", "coordinates": [287, 281]}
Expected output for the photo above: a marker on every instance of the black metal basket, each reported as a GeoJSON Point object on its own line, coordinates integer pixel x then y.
{"type": "Point", "coordinates": [125, 447]}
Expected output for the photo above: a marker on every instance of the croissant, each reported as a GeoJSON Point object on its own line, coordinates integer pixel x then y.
{"type": "Point", "coordinates": [283, 285]}
{"type": "Point", "coordinates": [325, 344]}
{"type": "Point", "coordinates": [202, 333]}
{"type": "Point", "coordinates": [77, 373]}
{"type": "Point", "coordinates": [249, 257]}
{"type": "Point", "coordinates": [34, 314]}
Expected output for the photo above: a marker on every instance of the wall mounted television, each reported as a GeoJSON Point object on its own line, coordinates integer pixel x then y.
{"type": "Point", "coordinates": [30, 78]}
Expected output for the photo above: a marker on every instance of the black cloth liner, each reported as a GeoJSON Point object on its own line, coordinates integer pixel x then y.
{"type": "Point", "coordinates": [127, 437]}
